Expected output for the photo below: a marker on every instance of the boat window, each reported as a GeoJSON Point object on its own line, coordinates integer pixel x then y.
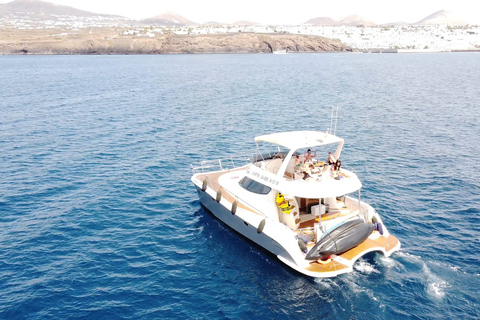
{"type": "Point", "coordinates": [254, 186]}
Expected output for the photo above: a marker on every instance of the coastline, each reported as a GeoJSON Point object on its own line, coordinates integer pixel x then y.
{"type": "Point", "coordinates": [104, 41]}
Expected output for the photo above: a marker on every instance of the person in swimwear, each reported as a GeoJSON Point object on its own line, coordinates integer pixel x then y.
{"type": "Point", "coordinates": [307, 172]}
{"type": "Point", "coordinates": [298, 163]}
{"type": "Point", "coordinates": [336, 173]}
{"type": "Point", "coordinates": [309, 157]}
{"type": "Point", "coordinates": [331, 159]}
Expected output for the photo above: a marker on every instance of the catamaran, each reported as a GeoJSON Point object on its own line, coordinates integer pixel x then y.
{"type": "Point", "coordinates": [306, 212]}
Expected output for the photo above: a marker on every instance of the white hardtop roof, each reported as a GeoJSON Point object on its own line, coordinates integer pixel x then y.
{"type": "Point", "coordinates": [299, 139]}
{"type": "Point", "coordinates": [310, 188]}
{"type": "Point", "coordinates": [329, 187]}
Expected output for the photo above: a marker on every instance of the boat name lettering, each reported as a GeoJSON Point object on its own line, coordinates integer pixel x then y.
{"type": "Point", "coordinates": [262, 177]}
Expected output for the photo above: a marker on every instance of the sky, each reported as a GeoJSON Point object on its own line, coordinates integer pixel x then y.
{"type": "Point", "coordinates": [281, 11]}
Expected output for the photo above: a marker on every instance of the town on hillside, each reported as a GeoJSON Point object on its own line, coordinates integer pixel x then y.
{"type": "Point", "coordinates": [437, 32]}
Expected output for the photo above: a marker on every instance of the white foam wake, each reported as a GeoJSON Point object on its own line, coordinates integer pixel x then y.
{"type": "Point", "coordinates": [434, 286]}
{"type": "Point", "coordinates": [365, 267]}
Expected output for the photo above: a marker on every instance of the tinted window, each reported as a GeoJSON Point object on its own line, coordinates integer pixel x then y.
{"type": "Point", "coordinates": [254, 186]}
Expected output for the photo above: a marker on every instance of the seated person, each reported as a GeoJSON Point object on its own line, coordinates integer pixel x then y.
{"type": "Point", "coordinates": [298, 163]}
{"type": "Point", "coordinates": [324, 169]}
{"type": "Point", "coordinates": [308, 156]}
{"type": "Point", "coordinates": [314, 169]}
{"type": "Point", "coordinates": [331, 159]}
{"type": "Point", "coordinates": [336, 173]}
{"type": "Point", "coordinates": [307, 171]}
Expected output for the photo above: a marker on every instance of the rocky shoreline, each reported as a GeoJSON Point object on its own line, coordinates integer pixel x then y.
{"type": "Point", "coordinates": [42, 42]}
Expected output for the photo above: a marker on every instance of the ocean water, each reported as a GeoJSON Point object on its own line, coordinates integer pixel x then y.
{"type": "Point", "coordinates": [99, 219]}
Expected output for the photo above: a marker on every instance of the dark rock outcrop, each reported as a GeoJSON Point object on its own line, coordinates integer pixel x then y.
{"type": "Point", "coordinates": [169, 44]}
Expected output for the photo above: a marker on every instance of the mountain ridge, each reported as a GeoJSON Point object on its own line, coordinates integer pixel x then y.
{"type": "Point", "coordinates": [171, 17]}
{"type": "Point", "coordinates": [41, 9]}
{"type": "Point", "coordinates": [441, 17]}
{"type": "Point", "coordinates": [356, 20]}
{"type": "Point", "coordinates": [323, 21]}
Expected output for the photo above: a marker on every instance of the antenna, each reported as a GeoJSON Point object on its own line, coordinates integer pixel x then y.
{"type": "Point", "coordinates": [333, 120]}
{"type": "Point", "coordinates": [336, 119]}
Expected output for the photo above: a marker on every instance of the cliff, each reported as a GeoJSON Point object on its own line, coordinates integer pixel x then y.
{"type": "Point", "coordinates": [107, 41]}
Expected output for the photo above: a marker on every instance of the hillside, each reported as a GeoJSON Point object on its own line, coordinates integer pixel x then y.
{"type": "Point", "coordinates": [356, 20]}
{"type": "Point", "coordinates": [323, 21]}
{"type": "Point", "coordinates": [111, 41]}
{"type": "Point", "coordinates": [441, 17]}
{"type": "Point", "coordinates": [42, 8]}
{"type": "Point", "coordinates": [170, 18]}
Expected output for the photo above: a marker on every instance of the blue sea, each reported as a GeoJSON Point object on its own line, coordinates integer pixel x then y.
{"type": "Point", "coordinates": [99, 218]}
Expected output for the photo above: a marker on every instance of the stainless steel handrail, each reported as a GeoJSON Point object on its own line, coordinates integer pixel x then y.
{"type": "Point", "coordinates": [220, 164]}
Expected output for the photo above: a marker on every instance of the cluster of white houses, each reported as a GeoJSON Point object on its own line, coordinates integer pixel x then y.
{"type": "Point", "coordinates": [413, 37]}
{"type": "Point", "coordinates": [433, 38]}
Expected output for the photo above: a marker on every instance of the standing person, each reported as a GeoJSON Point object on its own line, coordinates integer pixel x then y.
{"type": "Point", "coordinates": [308, 156]}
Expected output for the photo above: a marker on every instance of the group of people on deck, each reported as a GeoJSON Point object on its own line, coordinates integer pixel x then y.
{"type": "Point", "coordinates": [309, 167]}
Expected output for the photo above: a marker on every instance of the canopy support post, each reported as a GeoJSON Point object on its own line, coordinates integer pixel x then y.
{"type": "Point", "coordinates": [359, 196]}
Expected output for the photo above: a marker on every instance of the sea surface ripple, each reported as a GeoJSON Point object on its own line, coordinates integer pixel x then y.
{"type": "Point", "coordinates": [99, 218]}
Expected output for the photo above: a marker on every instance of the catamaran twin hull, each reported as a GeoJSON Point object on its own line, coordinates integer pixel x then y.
{"type": "Point", "coordinates": [321, 233]}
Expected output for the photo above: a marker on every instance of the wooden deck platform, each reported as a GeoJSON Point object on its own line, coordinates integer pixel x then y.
{"type": "Point", "coordinates": [387, 243]}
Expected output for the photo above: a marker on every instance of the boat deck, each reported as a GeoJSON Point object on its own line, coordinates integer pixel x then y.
{"type": "Point", "coordinates": [212, 182]}
{"type": "Point", "coordinates": [346, 260]}
{"type": "Point", "coordinates": [309, 220]}
{"type": "Point", "coordinates": [375, 242]}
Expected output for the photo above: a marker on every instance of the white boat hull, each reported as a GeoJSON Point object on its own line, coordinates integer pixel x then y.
{"type": "Point", "coordinates": [239, 225]}
{"type": "Point", "coordinates": [266, 201]}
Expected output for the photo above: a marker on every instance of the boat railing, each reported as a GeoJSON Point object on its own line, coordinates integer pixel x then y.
{"type": "Point", "coordinates": [220, 164]}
